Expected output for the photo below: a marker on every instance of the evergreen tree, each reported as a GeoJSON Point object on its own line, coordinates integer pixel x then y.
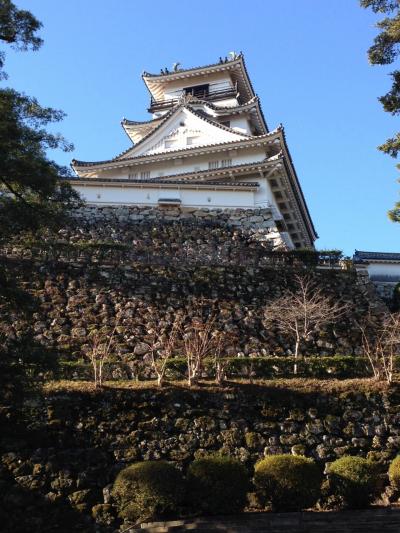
{"type": "Point", "coordinates": [31, 197]}
{"type": "Point", "coordinates": [31, 194]}
{"type": "Point", "coordinates": [384, 51]}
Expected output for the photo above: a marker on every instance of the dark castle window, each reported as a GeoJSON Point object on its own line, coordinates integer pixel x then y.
{"type": "Point", "coordinates": [200, 91]}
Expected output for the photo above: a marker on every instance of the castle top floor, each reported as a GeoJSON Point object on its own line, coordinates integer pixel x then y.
{"type": "Point", "coordinates": [225, 83]}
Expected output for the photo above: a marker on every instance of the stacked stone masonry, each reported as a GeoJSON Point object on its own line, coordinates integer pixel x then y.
{"type": "Point", "coordinates": [201, 261]}
{"type": "Point", "coordinates": [75, 298]}
{"type": "Point", "coordinates": [66, 457]}
{"type": "Point", "coordinates": [256, 221]}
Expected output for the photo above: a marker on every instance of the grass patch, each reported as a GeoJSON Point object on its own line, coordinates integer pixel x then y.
{"type": "Point", "coordinates": [300, 385]}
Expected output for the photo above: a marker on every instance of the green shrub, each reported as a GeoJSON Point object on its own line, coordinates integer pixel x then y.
{"type": "Point", "coordinates": [265, 367]}
{"type": "Point", "coordinates": [288, 482]}
{"type": "Point", "coordinates": [271, 367]}
{"type": "Point", "coordinates": [148, 490]}
{"type": "Point", "coordinates": [354, 481]}
{"type": "Point", "coordinates": [217, 485]}
{"type": "Point", "coordinates": [394, 472]}
{"type": "Point", "coordinates": [395, 303]}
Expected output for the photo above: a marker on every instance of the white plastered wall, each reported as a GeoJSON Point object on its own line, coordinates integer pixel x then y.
{"type": "Point", "coordinates": [241, 124]}
{"type": "Point", "coordinates": [177, 129]}
{"type": "Point", "coordinates": [384, 269]}
{"type": "Point", "coordinates": [149, 196]}
{"type": "Point", "coordinates": [217, 81]}
{"type": "Point", "coordinates": [264, 196]}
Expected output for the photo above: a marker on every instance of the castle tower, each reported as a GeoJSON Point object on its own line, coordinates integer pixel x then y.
{"type": "Point", "coordinates": [207, 146]}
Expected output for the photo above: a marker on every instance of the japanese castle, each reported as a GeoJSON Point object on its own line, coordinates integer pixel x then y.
{"type": "Point", "coordinates": [207, 146]}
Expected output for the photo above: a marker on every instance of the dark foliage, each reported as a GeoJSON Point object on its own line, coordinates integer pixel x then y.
{"type": "Point", "coordinates": [24, 363]}
{"type": "Point", "coordinates": [353, 481]}
{"type": "Point", "coordinates": [384, 51]}
{"type": "Point", "coordinates": [31, 195]}
{"type": "Point", "coordinates": [30, 192]}
{"type": "Point", "coordinates": [17, 28]}
{"type": "Point", "coordinates": [395, 303]}
{"type": "Point", "coordinates": [288, 482]}
{"type": "Point", "coordinates": [394, 473]}
{"type": "Point", "coordinates": [217, 485]}
{"type": "Point", "coordinates": [148, 490]}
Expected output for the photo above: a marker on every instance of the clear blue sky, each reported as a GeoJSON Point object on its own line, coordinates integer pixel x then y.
{"type": "Point", "coordinates": [308, 63]}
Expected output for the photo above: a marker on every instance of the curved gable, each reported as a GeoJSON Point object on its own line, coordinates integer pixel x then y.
{"type": "Point", "coordinates": [182, 128]}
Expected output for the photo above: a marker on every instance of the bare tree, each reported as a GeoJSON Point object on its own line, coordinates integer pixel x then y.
{"type": "Point", "coordinates": [198, 338]}
{"type": "Point", "coordinates": [162, 346]}
{"type": "Point", "coordinates": [201, 340]}
{"type": "Point", "coordinates": [381, 344]}
{"type": "Point", "coordinates": [299, 312]}
{"type": "Point", "coordinates": [224, 343]}
{"type": "Point", "coordinates": [100, 348]}
{"type": "Point", "coordinates": [220, 363]}
{"type": "Point", "coordinates": [197, 341]}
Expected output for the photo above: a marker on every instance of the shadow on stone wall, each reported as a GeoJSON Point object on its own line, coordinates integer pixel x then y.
{"type": "Point", "coordinates": [75, 298]}
{"type": "Point", "coordinates": [58, 464]}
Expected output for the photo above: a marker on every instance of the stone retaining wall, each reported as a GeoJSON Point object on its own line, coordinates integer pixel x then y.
{"type": "Point", "coordinates": [385, 289]}
{"type": "Point", "coordinates": [257, 221]}
{"type": "Point", "coordinates": [222, 262]}
{"type": "Point", "coordinates": [75, 298]}
{"type": "Point", "coordinates": [59, 465]}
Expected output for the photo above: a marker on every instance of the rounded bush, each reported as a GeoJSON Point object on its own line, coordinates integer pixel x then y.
{"type": "Point", "coordinates": [288, 482]}
{"type": "Point", "coordinates": [217, 485]}
{"type": "Point", "coordinates": [354, 481]}
{"type": "Point", "coordinates": [148, 490]}
{"type": "Point", "coordinates": [394, 472]}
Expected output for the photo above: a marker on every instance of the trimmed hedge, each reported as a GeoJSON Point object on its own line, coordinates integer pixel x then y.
{"type": "Point", "coordinates": [288, 482]}
{"type": "Point", "coordinates": [148, 490]}
{"type": "Point", "coordinates": [394, 472]}
{"type": "Point", "coordinates": [354, 481]}
{"type": "Point", "coordinates": [269, 367]}
{"type": "Point", "coordinates": [217, 485]}
{"type": "Point", "coordinates": [339, 366]}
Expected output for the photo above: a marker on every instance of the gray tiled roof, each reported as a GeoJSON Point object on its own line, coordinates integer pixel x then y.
{"type": "Point", "coordinates": [200, 67]}
{"type": "Point", "coordinates": [361, 257]}
{"type": "Point", "coordinates": [167, 182]}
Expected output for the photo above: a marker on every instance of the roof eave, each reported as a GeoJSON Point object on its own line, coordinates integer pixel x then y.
{"type": "Point", "coordinates": [174, 154]}
{"type": "Point", "coordinates": [209, 185]}
{"type": "Point", "coordinates": [189, 72]}
{"type": "Point", "coordinates": [303, 204]}
{"type": "Point", "coordinates": [152, 79]}
{"type": "Point", "coordinates": [215, 174]}
{"type": "Point", "coordinates": [165, 119]}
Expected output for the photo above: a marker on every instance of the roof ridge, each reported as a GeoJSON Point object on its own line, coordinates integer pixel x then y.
{"type": "Point", "coordinates": [252, 100]}
{"type": "Point", "coordinates": [192, 101]}
{"type": "Point", "coordinates": [188, 103]}
{"type": "Point", "coordinates": [221, 126]}
{"type": "Point", "coordinates": [200, 172]}
{"type": "Point", "coordinates": [255, 138]}
{"type": "Point", "coordinates": [138, 122]}
{"type": "Point", "coordinates": [237, 57]}
{"type": "Point", "coordinates": [166, 182]}
{"type": "Point", "coordinates": [371, 254]}
{"type": "Point", "coordinates": [164, 119]}
{"type": "Point", "coordinates": [180, 105]}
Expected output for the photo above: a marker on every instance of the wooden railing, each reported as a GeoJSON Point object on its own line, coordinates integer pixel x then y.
{"type": "Point", "coordinates": [159, 105]}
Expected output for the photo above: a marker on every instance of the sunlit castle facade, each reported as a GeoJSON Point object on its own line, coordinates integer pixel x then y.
{"type": "Point", "coordinates": [207, 146]}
